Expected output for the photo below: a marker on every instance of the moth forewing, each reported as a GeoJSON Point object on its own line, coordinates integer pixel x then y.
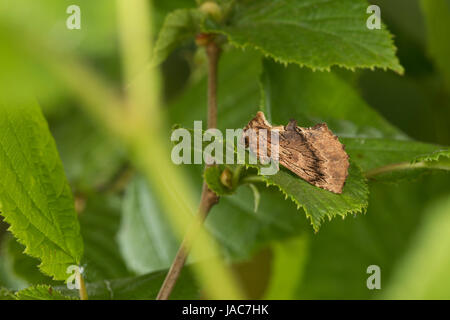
{"type": "Point", "coordinates": [314, 154]}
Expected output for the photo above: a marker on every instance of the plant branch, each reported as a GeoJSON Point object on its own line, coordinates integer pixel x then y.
{"type": "Point", "coordinates": [213, 53]}
{"type": "Point", "coordinates": [208, 197]}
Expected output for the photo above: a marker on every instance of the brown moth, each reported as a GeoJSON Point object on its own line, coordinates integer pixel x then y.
{"type": "Point", "coordinates": [314, 154]}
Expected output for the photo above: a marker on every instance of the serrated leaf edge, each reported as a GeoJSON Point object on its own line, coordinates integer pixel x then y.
{"type": "Point", "coordinates": [361, 209]}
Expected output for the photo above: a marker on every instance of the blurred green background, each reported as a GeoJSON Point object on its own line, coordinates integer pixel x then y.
{"type": "Point", "coordinates": [406, 230]}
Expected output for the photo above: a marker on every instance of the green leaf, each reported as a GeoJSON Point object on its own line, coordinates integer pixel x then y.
{"type": "Point", "coordinates": [431, 253]}
{"type": "Point", "coordinates": [320, 204]}
{"type": "Point", "coordinates": [179, 26]}
{"type": "Point", "coordinates": [316, 34]}
{"type": "Point", "coordinates": [41, 292]}
{"type": "Point", "coordinates": [212, 178]}
{"type": "Point", "coordinates": [145, 237]}
{"type": "Point", "coordinates": [437, 17]}
{"type": "Point", "coordinates": [35, 198]}
{"type": "Point", "coordinates": [144, 287]}
{"type": "Point", "coordinates": [100, 222]}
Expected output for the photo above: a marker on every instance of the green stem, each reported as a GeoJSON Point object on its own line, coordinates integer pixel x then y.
{"type": "Point", "coordinates": [82, 290]}
{"type": "Point", "coordinates": [253, 179]}
{"type": "Point", "coordinates": [237, 175]}
{"type": "Point", "coordinates": [400, 166]}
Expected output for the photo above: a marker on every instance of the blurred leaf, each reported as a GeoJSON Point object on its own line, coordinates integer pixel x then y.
{"type": "Point", "coordinates": [23, 266]}
{"type": "Point", "coordinates": [36, 200]}
{"type": "Point", "coordinates": [313, 34]}
{"type": "Point", "coordinates": [238, 93]}
{"type": "Point", "coordinates": [21, 72]}
{"type": "Point", "coordinates": [429, 257]}
{"type": "Point", "coordinates": [100, 222]}
{"type": "Point", "coordinates": [405, 21]}
{"type": "Point", "coordinates": [90, 158]}
{"type": "Point", "coordinates": [5, 294]}
{"type": "Point", "coordinates": [312, 97]}
{"type": "Point", "coordinates": [179, 26]}
{"type": "Point", "coordinates": [144, 287]}
{"type": "Point", "coordinates": [416, 104]}
{"type": "Point", "coordinates": [96, 41]}
{"type": "Point", "coordinates": [338, 256]}
{"type": "Point", "coordinates": [8, 278]}
{"type": "Point", "coordinates": [404, 16]}
{"type": "Point", "coordinates": [163, 8]}
{"type": "Point", "coordinates": [437, 17]}
{"type": "Point", "coordinates": [145, 237]}
{"type": "Point", "coordinates": [24, 43]}
{"type": "Point", "coordinates": [98, 23]}
{"type": "Point", "coordinates": [41, 292]}
{"type": "Point", "coordinates": [289, 259]}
